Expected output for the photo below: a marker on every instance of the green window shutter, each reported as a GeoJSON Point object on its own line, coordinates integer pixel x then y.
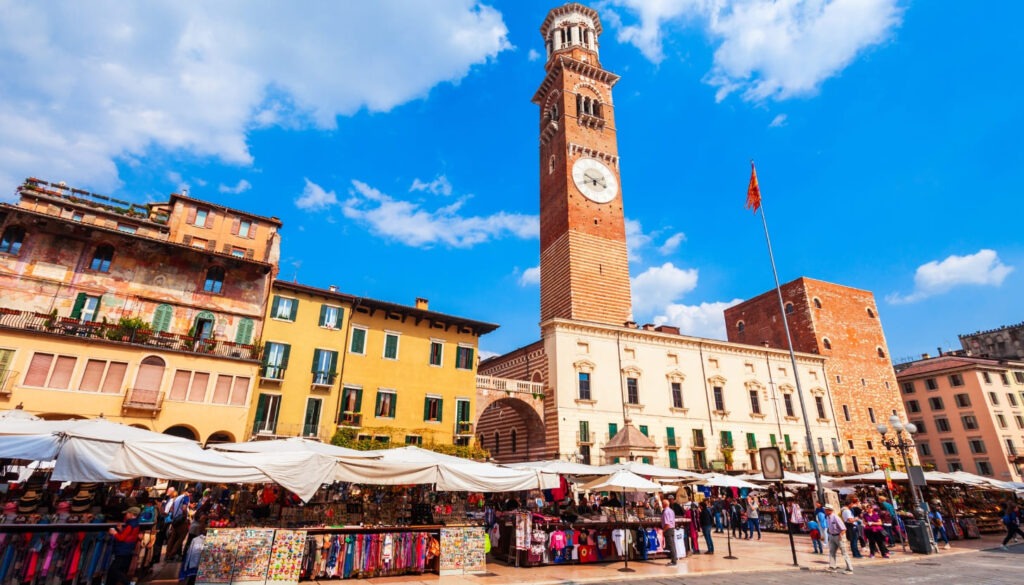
{"type": "Point", "coordinates": [358, 341]}
{"type": "Point", "coordinates": [261, 409]}
{"type": "Point", "coordinates": [426, 409]}
{"type": "Point", "coordinates": [334, 363]}
{"type": "Point", "coordinates": [394, 404]}
{"type": "Point", "coordinates": [670, 432]}
{"type": "Point", "coordinates": [376, 407]}
{"type": "Point", "coordinates": [469, 364]}
{"type": "Point", "coordinates": [265, 357]}
{"type": "Point", "coordinates": [751, 441]}
{"type": "Point", "coordinates": [339, 317]}
{"type": "Point", "coordinates": [440, 409]}
{"type": "Point", "coordinates": [673, 459]}
{"type": "Point", "coordinates": [772, 439]}
{"type": "Point", "coordinates": [359, 400]}
{"type": "Point", "coordinates": [274, 305]}
{"type": "Point", "coordinates": [285, 354]}
{"type": "Point", "coordinates": [613, 429]}
{"type": "Point", "coordinates": [76, 311]}
{"type": "Point", "coordinates": [316, 359]}
{"type": "Point", "coordinates": [244, 333]}
{"type": "Point", "coordinates": [162, 318]}
{"type": "Point", "coordinates": [643, 430]}
{"type": "Point", "coordinates": [295, 309]}
{"type": "Point", "coordinates": [323, 316]}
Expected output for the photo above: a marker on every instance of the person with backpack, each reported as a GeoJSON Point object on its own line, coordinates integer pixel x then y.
{"type": "Point", "coordinates": [177, 525]}
{"type": "Point", "coordinates": [1012, 522]}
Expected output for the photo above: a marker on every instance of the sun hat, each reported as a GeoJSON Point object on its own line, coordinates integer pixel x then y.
{"type": "Point", "coordinates": [829, 507]}
{"type": "Point", "coordinates": [134, 510]}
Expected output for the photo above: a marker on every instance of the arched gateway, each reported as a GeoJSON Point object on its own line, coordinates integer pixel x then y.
{"type": "Point", "coordinates": [510, 419]}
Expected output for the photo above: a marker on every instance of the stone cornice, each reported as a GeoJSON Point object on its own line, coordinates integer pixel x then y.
{"type": "Point", "coordinates": [585, 69]}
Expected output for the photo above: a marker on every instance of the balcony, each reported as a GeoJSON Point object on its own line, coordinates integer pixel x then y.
{"type": "Point", "coordinates": [273, 374]}
{"type": "Point", "coordinates": [585, 438]}
{"type": "Point", "coordinates": [463, 427]}
{"type": "Point", "coordinates": [673, 443]}
{"type": "Point", "coordinates": [115, 333]}
{"type": "Point", "coordinates": [509, 387]}
{"type": "Point", "coordinates": [351, 419]}
{"type": "Point", "coordinates": [1015, 458]}
{"type": "Point", "coordinates": [7, 378]}
{"type": "Point", "coordinates": [698, 443]}
{"type": "Point", "coordinates": [323, 380]}
{"type": "Point", "coordinates": [148, 400]}
{"type": "Point", "coordinates": [274, 430]}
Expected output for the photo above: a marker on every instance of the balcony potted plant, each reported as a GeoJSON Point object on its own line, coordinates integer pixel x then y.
{"type": "Point", "coordinates": [130, 329]}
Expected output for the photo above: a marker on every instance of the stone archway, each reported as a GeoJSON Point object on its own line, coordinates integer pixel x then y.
{"type": "Point", "coordinates": [512, 430]}
{"type": "Point", "coordinates": [220, 437]}
{"type": "Point", "coordinates": [181, 431]}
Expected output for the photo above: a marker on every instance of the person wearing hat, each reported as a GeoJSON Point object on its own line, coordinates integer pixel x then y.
{"type": "Point", "coordinates": [836, 529]}
{"type": "Point", "coordinates": [126, 535]}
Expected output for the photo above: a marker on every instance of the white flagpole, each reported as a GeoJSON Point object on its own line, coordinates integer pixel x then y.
{"type": "Point", "coordinates": [792, 356]}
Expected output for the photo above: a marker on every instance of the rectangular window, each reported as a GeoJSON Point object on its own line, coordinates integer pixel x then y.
{"type": "Point", "coordinates": [1010, 447]}
{"type": "Point", "coordinates": [986, 377]}
{"type": "Point", "coordinates": [955, 466]}
{"type": "Point", "coordinates": [984, 468]}
{"type": "Point", "coordinates": [819, 403]}
{"type": "Point", "coordinates": [413, 440]}
{"type": "Point", "coordinates": [391, 346]}
{"type": "Point", "coordinates": [913, 406]}
{"type": "Point", "coordinates": [949, 448]}
{"type": "Point", "coordinates": [970, 423]}
{"type": "Point", "coordinates": [931, 384]}
{"type": "Point", "coordinates": [1020, 421]}
{"type": "Point", "coordinates": [275, 360]}
{"type": "Point", "coordinates": [632, 391]}
{"type": "Point", "coordinates": [751, 441]}
{"type": "Point", "coordinates": [436, 353]}
{"type": "Point", "coordinates": [351, 406]}
{"type": "Point", "coordinates": [755, 402]}
{"type": "Point", "coordinates": [673, 459]}
{"type": "Point", "coordinates": [908, 387]}
{"type": "Point", "coordinates": [583, 384]}
{"type": "Point", "coordinates": [189, 385]}
{"type": "Point", "coordinates": [677, 395]}
{"type": "Point", "coordinates": [330, 316]}
{"type": "Point", "coordinates": [1019, 377]}
{"type": "Point", "coordinates": [201, 216]}
{"type": "Point", "coordinates": [41, 374]}
{"type": "Point", "coordinates": [464, 358]}
{"type": "Point", "coordinates": [846, 413]}
{"type": "Point", "coordinates": [85, 308]}
{"type": "Point", "coordinates": [725, 438]}
{"type": "Point", "coordinates": [643, 430]}
{"type": "Point", "coordinates": [1011, 398]}
{"type": "Point", "coordinates": [127, 228]}
{"type": "Point", "coordinates": [935, 403]}
{"type": "Point", "coordinates": [962, 400]}
{"type": "Point", "coordinates": [358, 344]}
{"type": "Point", "coordinates": [284, 308]}
{"type": "Point", "coordinates": [719, 398]}
{"type": "Point", "coordinates": [325, 366]}
{"type": "Point", "coordinates": [871, 415]}
{"type": "Point", "coordinates": [243, 228]}
{"type": "Point", "coordinates": [977, 445]}
{"type": "Point", "coordinates": [942, 425]}
{"type": "Point", "coordinates": [835, 445]}
{"type": "Point", "coordinates": [462, 416]}
{"type": "Point", "coordinates": [994, 398]}
{"type": "Point", "coordinates": [956, 380]}
{"type": "Point", "coordinates": [267, 408]}
{"type": "Point", "coordinates": [1001, 420]}
{"type": "Point", "coordinates": [386, 401]}
{"type": "Point", "coordinates": [101, 376]}
{"type": "Point", "coordinates": [870, 446]}
{"type": "Point", "coordinates": [698, 437]}
{"type": "Point", "coordinates": [613, 429]}
{"type": "Point", "coordinates": [924, 449]}
{"type": "Point", "coordinates": [787, 442]}
{"type": "Point", "coordinates": [920, 425]}
{"type": "Point", "coordinates": [311, 422]}
{"type": "Point", "coordinates": [787, 400]}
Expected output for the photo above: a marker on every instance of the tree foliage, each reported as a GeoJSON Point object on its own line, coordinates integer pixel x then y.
{"type": "Point", "coordinates": [349, 437]}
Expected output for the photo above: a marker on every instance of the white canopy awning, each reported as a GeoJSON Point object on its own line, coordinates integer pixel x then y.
{"type": "Point", "coordinates": [292, 445]}
{"type": "Point", "coordinates": [622, 481]}
{"type": "Point", "coordinates": [788, 477]}
{"type": "Point", "coordinates": [729, 481]}
{"type": "Point", "coordinates": [656, 472]}
{"type": "Point", "coordinates": [562, 467]}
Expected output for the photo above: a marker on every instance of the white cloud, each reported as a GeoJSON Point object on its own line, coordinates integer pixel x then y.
{"type": "Point", "coordinates": [767, 49]}
{"type": "Point", "coordinates": [241, 187]}
{"type": "Point", "coordinates": [409, 223]}
{"type": "Point", "coordinates": [672, 243]}
{"type": "Point", "coordinates": [439, 186]}
{"type": "Point", "coordinates": [86, 87]}
{"type": "Point", "coordinates": [703, 320]}
{"type": "Point", "coordinates": [530, 276]}
{"type": "Point", "coordinates": [315, 198]}
{"type": "Point", "coordinates": [659, 286]}
{"type": "Point", "coordinates": [936, 277]}
{"type": "Point", "coordinates": [778, 121]}
{"type": "Point", "coordinates": [533, 55]}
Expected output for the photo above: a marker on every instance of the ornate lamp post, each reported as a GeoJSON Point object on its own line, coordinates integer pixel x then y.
{"type": "Point", "coordinates": [903, 445]}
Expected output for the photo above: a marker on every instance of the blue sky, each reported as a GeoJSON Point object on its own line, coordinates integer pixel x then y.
{"type": "Point", "coordinates": [397, 142]}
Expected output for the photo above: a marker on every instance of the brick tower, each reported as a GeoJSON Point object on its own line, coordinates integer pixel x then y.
{"type": "Point", "coordinates": [584, 268]}
{"type": "Point", "coordinates": [842, 324]}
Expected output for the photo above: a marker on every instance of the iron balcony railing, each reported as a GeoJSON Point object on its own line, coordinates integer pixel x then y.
{"type": "Point", "coordinates": [463, 427]}
{"type": "Point", "coordinates": [351, 419]}
{"type": "Point", "coordinates": [587, 438]}
{"type": "Point", "coordinates": [67, 327]}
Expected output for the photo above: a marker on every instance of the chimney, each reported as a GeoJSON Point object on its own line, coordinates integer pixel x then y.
{"type": "Point", "coordinates": [648, 326]}
{"type": "Point", "coordinates": [630, 324]}
{"type": "Point", "coordinates": [333, 288]}
{"type": "Point", "coordinates": [925, 356]}
{"type": "Point", "coordinates": [422, 303]}
{"type": "Point", "coordinates": [939, 349]}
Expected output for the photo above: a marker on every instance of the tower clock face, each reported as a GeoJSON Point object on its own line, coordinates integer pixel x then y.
{"type": "Point", "coordinates": [596, 181]}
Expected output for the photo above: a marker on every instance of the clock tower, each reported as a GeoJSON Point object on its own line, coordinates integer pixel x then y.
{"type": "Point", "coordinates": [584, 264]}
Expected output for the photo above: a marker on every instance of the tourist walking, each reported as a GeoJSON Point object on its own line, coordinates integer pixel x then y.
{"type": "Point", "coordinates": [753, 519]}
{"type": "Point", "coordinates": [938, 523]}
{"type": "Point", "coordinates": [875, 532]}
{"type": "Point", "coordinates": [737, 522]}
{"type": "Point", "coordinates": [836, 531]}
{"type": "Point", "coordinates": [717, 509]}
{"type": "Point", "coordinates": [1012, 522]}
{"type": "Point", "coordinates": [706, 523]}
{"type": "Point", "coordinates": [668, 528]}
{"type": "Point", "coordinates": [851, 517]}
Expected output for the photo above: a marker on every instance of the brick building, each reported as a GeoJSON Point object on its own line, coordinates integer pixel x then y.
{"type": "Point", "coordinates": [1002, 343]}
{"type": "Point", "coordinates": [969, 412]}
{"type": "Point", "coordinates": [842, 324]}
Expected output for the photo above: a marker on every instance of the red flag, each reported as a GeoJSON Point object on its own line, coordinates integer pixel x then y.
{"type": "Point", "coordinates": [753, 191]}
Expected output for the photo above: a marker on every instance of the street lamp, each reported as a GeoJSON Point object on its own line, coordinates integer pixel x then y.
{"type": "Point", "coordinates": [903, 445]}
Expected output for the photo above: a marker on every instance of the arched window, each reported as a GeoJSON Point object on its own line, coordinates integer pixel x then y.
{"type": "Point", "coordinates": [497, 443]}
{"type": "Point", "coordinates": [825, 342]}
{"type": "Point", "coordinates": [817, 303]}
{"type": "Point", "coordinates": [162, 318]}
{"type": "Point", "coordinates": [881, 352]}
{"type": "Point", "coordinates": [513, 440]}
{"type": "Point", "coordinates": [789, 308]}
{"type": "Point", "coordinates": [480, 441]}
{"type": "Point", "coordinates": [11, 241]}
{"type": "Point", "coordinates": [214, 280]}
{"type": "Point", "coordinates": [741, 326]}
{"type": "Point", "coordinates": [102, 258]}
{"type": "Point", "coordinates": [871, 314]}
{"type": "Point", "coordinates": [148, 380]}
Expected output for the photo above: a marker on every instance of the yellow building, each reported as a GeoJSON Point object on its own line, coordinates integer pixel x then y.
{"type": "Point", "coordinates": [394, 372]}
{"type": "Point", "coordinates": [117, 309]}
